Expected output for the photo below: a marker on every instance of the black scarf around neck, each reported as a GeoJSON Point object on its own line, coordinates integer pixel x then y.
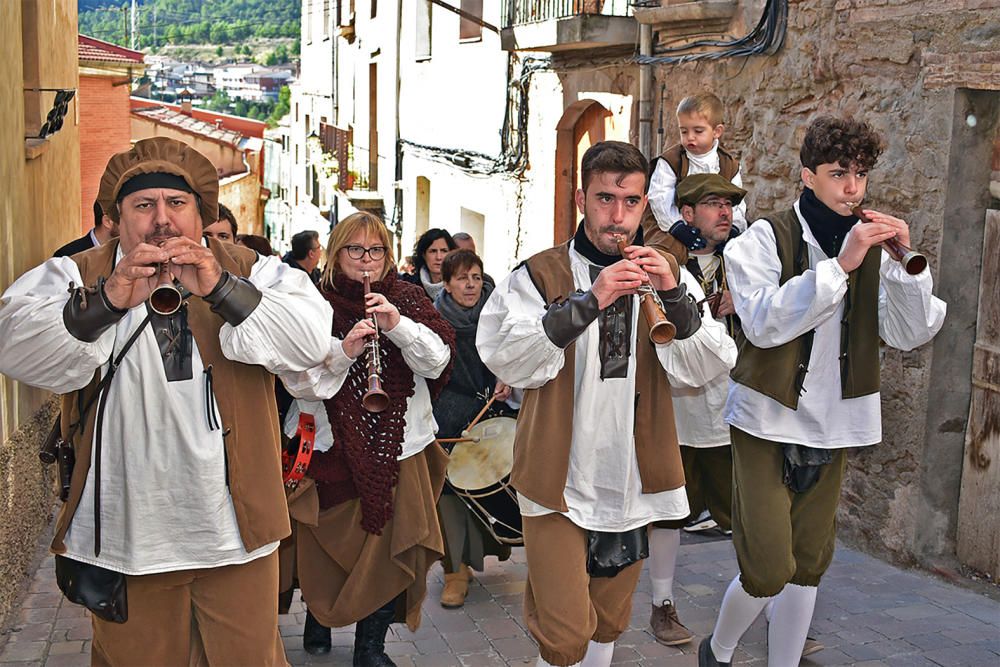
{"type": "Point", "coordinates": [829, 228]}
{"type": "Point", "coordinates": [583, 245]}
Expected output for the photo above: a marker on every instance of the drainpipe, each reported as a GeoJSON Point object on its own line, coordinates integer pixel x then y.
{"type": "Point", "coordinates": [646, 91]}
{"type": "Point", "coordinates": [397, 185]}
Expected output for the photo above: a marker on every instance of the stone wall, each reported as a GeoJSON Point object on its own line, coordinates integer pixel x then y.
{"type": "Point", "coordinates": [903, 66]}
{"type": "Point", "coordinates": [27, 502]}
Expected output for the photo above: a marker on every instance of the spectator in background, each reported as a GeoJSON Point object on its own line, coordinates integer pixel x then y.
{"type": "Point", "coordinates": [104, 230]}
{"type": "Point", "coordinates": [254, 242]}
{"type": "Point", "coordinates": [305, 253]}
{"type": "Point", "coordinates": [406, 266]}
{"type": "Point", "coordinates": [464, 241]}
{"type": "Point", "coordinates": [428, 256]}
{"type": "Point", "coordinates": [466, 540]}
{"type": "Point", "coordinates": [223, 229]}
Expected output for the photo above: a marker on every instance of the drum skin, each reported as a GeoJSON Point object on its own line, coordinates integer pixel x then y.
{"type": "Point", "coordinates": [479, 473]}
{"type": "Point", "coordinates": [476, 465]}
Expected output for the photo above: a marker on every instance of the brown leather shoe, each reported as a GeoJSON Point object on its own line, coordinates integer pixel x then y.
{"type": "Point", "coordinates": [667, 628]}
{"type": "Point", "coordinates": [456, 588]}
{"type": "Point", "coordinates": [811, 646]}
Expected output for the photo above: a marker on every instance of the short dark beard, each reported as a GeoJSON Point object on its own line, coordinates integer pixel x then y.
{"type": "Point", "coordinates": [615, 228]}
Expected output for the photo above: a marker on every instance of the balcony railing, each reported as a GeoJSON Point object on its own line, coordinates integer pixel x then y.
{"type": "Point", "coordinates": [520, 12]}
{"type": "Point", "coordinates": [353, 162]}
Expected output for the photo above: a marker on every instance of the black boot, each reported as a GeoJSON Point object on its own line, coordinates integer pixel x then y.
{"type": "Point", "coordinates": [315, 636]}
{"type": "Point", "coordinates": [369, 638]}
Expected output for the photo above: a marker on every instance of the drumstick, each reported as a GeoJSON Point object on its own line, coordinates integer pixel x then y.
{"type": "Point", "coordinates": [458, 439]}
{"type": "Point", "coordinates": [481, 412]}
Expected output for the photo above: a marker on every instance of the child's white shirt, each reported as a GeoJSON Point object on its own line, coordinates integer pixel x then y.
{"type": "Point", "coordinates": [663, 188]}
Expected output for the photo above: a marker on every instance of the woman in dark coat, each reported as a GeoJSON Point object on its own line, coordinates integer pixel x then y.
{"type": "Point", "coordinates": [471, 385]}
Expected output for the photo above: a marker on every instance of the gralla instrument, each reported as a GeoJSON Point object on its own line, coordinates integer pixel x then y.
{"type": "Point", "coordinates": [913, 262]}
{"type": "Point", "coordinates": [661, 330]}
{"type": "Point", "coordinates": [375, 399]}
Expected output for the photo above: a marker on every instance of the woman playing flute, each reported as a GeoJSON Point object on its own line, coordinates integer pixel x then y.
{"type": "Point", "coordinates": [364, 517]}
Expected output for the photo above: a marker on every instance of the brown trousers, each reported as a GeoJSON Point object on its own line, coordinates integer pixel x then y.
{"type": "Point", "coordinates": [217, 616]}
{"type": "Point", "coordinates": [781, 536]}
{"type": "Point", "coordinates": [564, 608]}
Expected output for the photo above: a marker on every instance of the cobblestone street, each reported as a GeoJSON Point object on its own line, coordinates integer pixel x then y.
{"type": "Point", "coordinates": [868, 614]}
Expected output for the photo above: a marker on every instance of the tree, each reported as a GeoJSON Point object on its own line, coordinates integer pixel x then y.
{"type": "Point", "coordinates": [218, 51]}
{"type": "Point", "coordinates": [283, 106]}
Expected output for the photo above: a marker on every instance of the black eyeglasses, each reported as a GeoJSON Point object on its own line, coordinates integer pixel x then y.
{"type": "Point", "coordinates": [376, 252]}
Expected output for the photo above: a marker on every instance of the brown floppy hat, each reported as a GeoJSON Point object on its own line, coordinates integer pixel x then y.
{"type": "Point", "coordinates": [161, 155]}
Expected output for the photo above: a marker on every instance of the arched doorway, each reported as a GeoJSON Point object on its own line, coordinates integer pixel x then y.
{"type": "Point", "coordinates": [583, 124]}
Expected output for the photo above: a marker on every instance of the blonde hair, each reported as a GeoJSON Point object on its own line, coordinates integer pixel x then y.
{"type": "Point", "coordinates": [341, 235]}
{"type": "Point", "coordinates": [706, 105]}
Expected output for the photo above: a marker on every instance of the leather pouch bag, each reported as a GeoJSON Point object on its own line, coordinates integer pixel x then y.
{"type": "Point", "coordinates": [610, 553]}
{"type": "Point", "coordinates": [803, 465]}
{"type": "Point", "coordinates": [100, 590]}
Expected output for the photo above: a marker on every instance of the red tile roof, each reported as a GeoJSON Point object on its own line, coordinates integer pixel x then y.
{"type": "Point", "coordinates": [188, 124]}
{"type": "Point", "coordinates": [92, 49]}
{"type": "Point", "coordinates": [245, 126]}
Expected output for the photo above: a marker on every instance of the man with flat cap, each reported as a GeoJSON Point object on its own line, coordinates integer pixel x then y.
{"type": "Point", "coordinates": [177, 484]}
{"type": "Point", "coordinates": [705, 202]}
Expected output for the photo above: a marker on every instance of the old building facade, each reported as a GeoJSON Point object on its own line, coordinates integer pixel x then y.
{"type": "Point", "coordinates": [39, 211]}
{"type": "Point", "coordinates": [106, 75]}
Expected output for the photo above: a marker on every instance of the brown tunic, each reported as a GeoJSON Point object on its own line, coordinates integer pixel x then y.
{"type": "Point", "coordinates": [545, 423]}
{"type": "Point", "coordinates": [245, 397]}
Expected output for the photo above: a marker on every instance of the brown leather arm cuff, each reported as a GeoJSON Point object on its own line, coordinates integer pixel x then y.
{"type": "Point", "coordinates": [88, 313]}
{"type": "Point", "coordinates": [681, 310]}
{"type": "Point", "coordinates": [565, 321]}
{"type": "Point", "coordinates": [233, 299]}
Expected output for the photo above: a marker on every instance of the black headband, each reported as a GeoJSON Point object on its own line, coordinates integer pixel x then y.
{"type": "Point", "coordinates": [154, 180]}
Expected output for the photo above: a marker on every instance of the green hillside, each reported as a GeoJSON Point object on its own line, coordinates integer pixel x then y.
{"type": "Point", "coordinates": [216, 22]}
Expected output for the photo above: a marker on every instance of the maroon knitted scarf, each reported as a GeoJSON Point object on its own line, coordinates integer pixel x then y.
{"type": "Point", "coordinates": [370, 443]}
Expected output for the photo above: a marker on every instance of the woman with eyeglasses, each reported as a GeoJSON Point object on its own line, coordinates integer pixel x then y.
{"type": "Point", "coordinates": [364, 518]}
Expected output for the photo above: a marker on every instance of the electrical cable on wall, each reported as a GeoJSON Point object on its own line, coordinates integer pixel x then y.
{"type": "Point", "coordinates": [765, 39]}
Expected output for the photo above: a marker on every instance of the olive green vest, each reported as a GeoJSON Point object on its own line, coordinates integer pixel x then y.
{"type": "Point", "coordinates": [779, 372]}
{"type": "Point", "coordinates": [545, 423]}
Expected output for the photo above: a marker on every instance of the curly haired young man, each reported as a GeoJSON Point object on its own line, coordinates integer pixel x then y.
{"type": "Point", "coordinates": [814, 293]}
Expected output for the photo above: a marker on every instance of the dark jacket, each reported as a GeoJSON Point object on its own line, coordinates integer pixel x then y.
{"type": "Point", "coordinates": [314, 275]}
{"type": "Point", "coordinates": [471, 383]}
{"type": "Point", "coordinates": [85, 242]}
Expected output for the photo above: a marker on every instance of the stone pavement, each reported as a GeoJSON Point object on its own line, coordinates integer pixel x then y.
{"type": "Point", "coordinates": [868, 614]}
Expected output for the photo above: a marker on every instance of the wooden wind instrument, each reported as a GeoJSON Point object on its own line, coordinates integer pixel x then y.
{"type": "Point", "coordinates": [913, 262]}
{"type": "Point", "coordinates": [165, 299]}
{"type": "Point", "coordinates": [661, 330]}
{"type": "Point", "coordinates": [375, 399]}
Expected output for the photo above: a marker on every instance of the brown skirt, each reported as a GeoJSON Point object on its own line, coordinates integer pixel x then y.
{"type": "Point", "coordinates": [345, 573]}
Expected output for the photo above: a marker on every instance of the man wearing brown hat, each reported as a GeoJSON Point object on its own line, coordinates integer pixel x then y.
{"type": "Point", "coordinates": [177, 486]}
{"type": "Point", "coordinates": [706, 203]}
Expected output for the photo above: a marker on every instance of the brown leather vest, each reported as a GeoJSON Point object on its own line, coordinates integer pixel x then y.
{"type": "Point", "coordinates": [677, 158]}
{"type": "Point", "coordinates": [545, 423]}
{"type": "Point", "coordinates": [245, 397]}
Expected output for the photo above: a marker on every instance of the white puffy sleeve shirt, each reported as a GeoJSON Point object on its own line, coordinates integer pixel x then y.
{"type": "Point", "coordinates": [663, 189]}
{"type": "Point", "coordinates": [603, 489]}
{"type": "Point", "coordinates": [699, 410]}
{"type": "Point", "coordinates": [908, 315]}
{"type": "Point", "coordinates": [423, 351]}
{"type": "Point", "coordinates": [165, 502]}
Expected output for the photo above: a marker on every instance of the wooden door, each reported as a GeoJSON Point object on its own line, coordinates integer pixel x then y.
{"type": "Point", "coordinates": [979, 502]}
